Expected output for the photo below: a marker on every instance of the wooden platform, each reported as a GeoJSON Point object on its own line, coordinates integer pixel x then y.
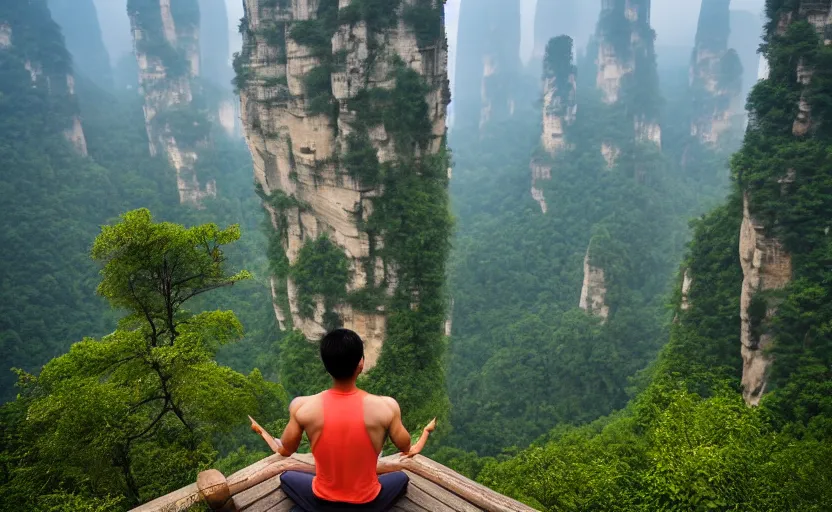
{"type": "Point", "coordinates": [432, 487]}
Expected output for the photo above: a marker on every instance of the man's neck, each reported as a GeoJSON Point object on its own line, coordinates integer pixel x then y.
{"type": "Point", "coordinates": [344, 386]}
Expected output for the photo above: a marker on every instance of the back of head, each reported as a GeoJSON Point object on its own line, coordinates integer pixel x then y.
{"type": "Point", "coordinates": [341, 352]}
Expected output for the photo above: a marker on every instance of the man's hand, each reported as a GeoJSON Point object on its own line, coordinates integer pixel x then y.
{"type": "Point", "coordinates": [417, 448]}
{"type": "Point", "coordinates": [275, 444]}
{"type": "Point", "coordinates": [256, 427]}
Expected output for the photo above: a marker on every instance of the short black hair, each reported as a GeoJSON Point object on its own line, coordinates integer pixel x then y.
{"type": "Point", "coordinates": [341, 351]}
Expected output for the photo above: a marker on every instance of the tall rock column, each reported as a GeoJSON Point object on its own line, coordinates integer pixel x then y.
{"type": "Point", "coordinates": [166, 44]}
{"type": "Point", "coordinates": [626, 68]}
{"type": "Point", "coordinates": [31, 43]}
{"type": "Point", "coordinates": [488, 63]}
{"type": "Point", "coordinates": [780, 192]}
{"type": "Point", "coordinates": [715, 78]}
{"type": "Point", "coordinates": [344, 107]}
{"type": "Point", "coordinates": [560, 109]}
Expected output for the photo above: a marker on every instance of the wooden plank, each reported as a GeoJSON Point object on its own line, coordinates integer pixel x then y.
{"type": "Point", "coordinates": [425, 500]}
{"type": "Point", "coordinates": [269, 502]}
{"type": "Point", "coordinates": [261, 471]}
{"type": "Point", "coordinates": [406, 505]}
{"type": "Point", "coordinates": [468, 490]}
{"type": "Point", "coordinates": [450, 499]}
{"type": "Point", "coordinates": [258, 492]}
{"type": "Point", "coordinates": [307, 458]}
{"type": "Point", "coordinates": [177, 501]}
{"type": "Point", "coordinates": [284, 506]}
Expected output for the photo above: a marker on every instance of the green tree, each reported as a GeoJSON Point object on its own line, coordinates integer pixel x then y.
{"type": "Point", "coordinates": [137, 413]}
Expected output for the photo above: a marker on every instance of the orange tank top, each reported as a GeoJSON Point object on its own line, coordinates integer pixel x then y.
{"type": "Point", "coordinates": [345, 458]}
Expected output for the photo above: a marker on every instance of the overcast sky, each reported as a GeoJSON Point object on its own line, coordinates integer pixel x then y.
{"type": "Point", "coordinates": [674, 20]}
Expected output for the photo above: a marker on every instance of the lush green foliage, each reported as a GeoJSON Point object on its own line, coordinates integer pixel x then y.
{"type": "Point", "coordinates": [688, 442]}
{"type": "Point", "coordinates": [134, 413]}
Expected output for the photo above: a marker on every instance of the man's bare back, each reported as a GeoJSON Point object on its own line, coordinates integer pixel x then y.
{"type": "Point", "coordinates": [382, 417]}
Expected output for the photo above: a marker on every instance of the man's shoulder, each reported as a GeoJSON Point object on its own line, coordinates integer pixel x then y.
{"type": "Point", "coordinates": [385, 402]}
{"type": "Point", "coordinates": [299, 402]}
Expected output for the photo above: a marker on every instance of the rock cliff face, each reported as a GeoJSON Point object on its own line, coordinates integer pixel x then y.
{"type": "Point", "coordinates": [166, 41]}
{"type": "Point", "coordinates": [715, 78]}
{"type": "Point", "coordinates": [560, 109]}
{"type": "Point", "coordinates": [344, 111]}
{"type": "Point", "coordinates": [626, 58]}
{"type": "Point", "coordinates": [488, 62]}
{"type": "Point", "coordinates": [766, 260]}
{"type": "Point", "coordinates": [594, 290]}
{"type": "Point", "coordinates": [766, 266]}
{"type": "Point", "coordinates": [79, 22]}
{"type": "Point", "coordinates": [30, 40]}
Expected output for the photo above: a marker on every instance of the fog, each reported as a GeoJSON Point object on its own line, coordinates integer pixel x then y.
{"type": "Point", "coordinates": [115, 27]}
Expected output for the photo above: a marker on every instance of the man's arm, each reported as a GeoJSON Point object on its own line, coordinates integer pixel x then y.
{"type": "Point", "coordinates": [420, 444]}
{"type": "Point", "coordinates": [397, 432]}
{"type": "Point", "coordinates": [292, 434]}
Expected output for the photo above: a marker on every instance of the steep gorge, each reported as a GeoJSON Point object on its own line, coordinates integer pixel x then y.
{"type": "Point", "coordinates": [166, 45]}
{"type": "Point", "coordinates": [344, 107]}
{"type": "Point", "coordinates": [488, 64]}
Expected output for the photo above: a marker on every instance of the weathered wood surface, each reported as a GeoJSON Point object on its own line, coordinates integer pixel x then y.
{"type": "Point", "coordinates": [267, 468]}
{"type": "Point", "coordinates": [177, 501]}
{"type": "Point", "coordinates": [467, 489]}
{"type": "Point", "coordinates": [433, 488]}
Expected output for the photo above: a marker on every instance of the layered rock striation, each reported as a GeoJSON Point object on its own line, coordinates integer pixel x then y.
{"type": "Point", "coordinates": [488, 63]}
{"type": "Point", "coordinates": [31, 45]}
{"type": "Point", "coordinates": [715, 78]}
{"type": "Point", "coordinates": [594, 289]}
{"type": "Point", "coordinates": [775, 189]}
{"type": "Point", "coordinates": [626, 70]}
{"type": "Point", "coordinates": [167, 49]}
{"type": "Point", "coordinates": [344, 105]}
{"type": "Point", "coordinates": [560, 110]}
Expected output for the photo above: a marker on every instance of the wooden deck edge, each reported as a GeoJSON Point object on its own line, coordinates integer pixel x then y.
{"type": "Point", "coordinates": [259, 472]}
{"type": "Point", "coordinates": [467, 489]}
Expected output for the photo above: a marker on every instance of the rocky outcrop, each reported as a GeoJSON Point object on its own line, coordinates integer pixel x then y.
{"type": "Point", "coordinates": [541, 171]}
{"type": "Point", "coordinates": [323, 120]}
{"type": "Point", "coordinates": [767, 262]}
{"type": "Point", "coordinates": [687, 283]}
{"type": "Point", "coordinates": [626, 58]}
{"type": "Point", "coordinates": [715, 78]}
{"type": "Point", "coordinates": [560, 109]}
{"type": "Point", "coordinates": [79, 23]}
{"type": "Point", "coordinates": [594, 290]}
{"type": "Point", "coordinates": [766, 267]}
{"type": "Point", "coordinates": [166, 41]}
{"type": "Point", "coordinates": [29, 34]}
{"type": "Point", "coordinates": [488, 62]}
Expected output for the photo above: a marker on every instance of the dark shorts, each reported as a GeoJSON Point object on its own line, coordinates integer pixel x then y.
{"type": "Point", "coordinates": [298, 486]}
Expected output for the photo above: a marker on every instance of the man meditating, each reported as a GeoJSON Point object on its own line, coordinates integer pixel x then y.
{"type": "Point", "coordinates": [347, 428]}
